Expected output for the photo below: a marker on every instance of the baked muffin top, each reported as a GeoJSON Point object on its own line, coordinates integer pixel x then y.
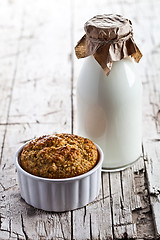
{"type": "Point", "coordinates": [59, 156]}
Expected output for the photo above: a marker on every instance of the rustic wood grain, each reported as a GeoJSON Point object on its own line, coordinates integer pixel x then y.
{"type": "Point", "coordinates": [38, 76]}
{"type": "Point", "coordinates": [39, 103]}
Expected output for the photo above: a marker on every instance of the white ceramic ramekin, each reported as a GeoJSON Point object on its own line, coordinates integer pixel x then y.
{"type": "Point", "coordinates": [59, 195]}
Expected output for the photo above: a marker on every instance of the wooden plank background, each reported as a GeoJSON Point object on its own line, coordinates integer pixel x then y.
{"type": "Point", "coordinates": [38, 74]}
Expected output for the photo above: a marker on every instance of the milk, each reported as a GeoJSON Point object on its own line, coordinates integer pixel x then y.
{"type": "Point", "coordinates": [110, 111]}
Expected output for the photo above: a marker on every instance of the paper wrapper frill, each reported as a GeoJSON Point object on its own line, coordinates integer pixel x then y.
{"type": "Point", "coordinates": [107, 52]}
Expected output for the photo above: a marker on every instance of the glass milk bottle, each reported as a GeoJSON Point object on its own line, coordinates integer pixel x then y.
{"type": "Point", "coordinates": [109, 91]}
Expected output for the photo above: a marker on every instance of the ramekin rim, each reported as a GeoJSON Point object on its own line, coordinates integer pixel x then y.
{"type": "Point", "coordinates": [18, 167]}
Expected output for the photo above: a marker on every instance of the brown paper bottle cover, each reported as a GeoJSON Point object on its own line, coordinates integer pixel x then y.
{"type": "Point", "coordinates": [109, 38]}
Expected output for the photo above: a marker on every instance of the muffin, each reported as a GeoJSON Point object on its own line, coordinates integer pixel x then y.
{"type": "Point", "coordinates": [59, 156]}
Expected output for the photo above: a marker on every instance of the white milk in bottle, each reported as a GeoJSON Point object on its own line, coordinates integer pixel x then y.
{"type": "Point", "coordinates": [109, 90]}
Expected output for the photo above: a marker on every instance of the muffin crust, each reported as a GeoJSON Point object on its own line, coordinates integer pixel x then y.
{"type": "Point", "coordinates": [59, 156]}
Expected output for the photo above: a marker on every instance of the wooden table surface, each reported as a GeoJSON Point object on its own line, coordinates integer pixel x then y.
{"type": "Point", "coordinates": [38, 73]}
